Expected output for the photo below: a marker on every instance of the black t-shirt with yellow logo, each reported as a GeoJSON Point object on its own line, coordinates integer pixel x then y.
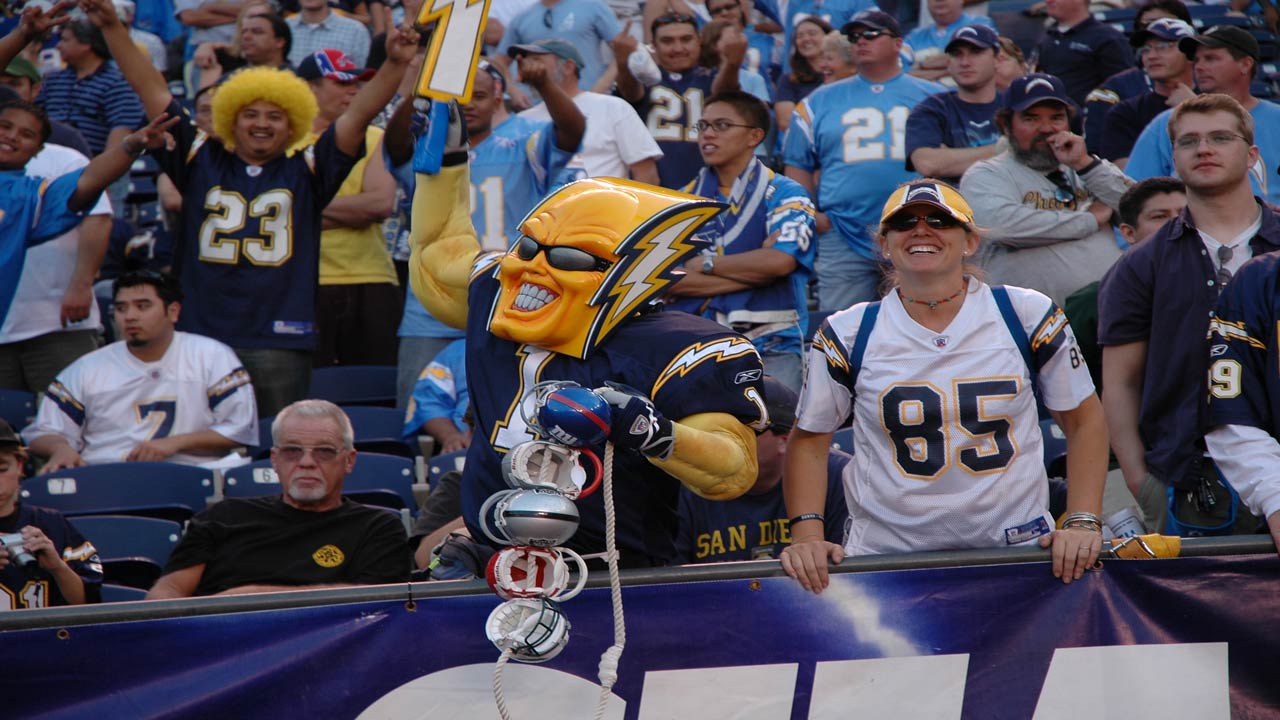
{"type": "Point", "coordinates": [264, 541]}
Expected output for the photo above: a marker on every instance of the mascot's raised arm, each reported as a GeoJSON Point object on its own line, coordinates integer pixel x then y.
{"type": "Point", "coordinates": [576, 299]}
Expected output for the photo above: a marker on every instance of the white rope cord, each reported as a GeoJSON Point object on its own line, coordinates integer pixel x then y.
{"type": "Point", "coordinates": [498, 697]}
{"type": "Point", "coordinates": [609, 659]}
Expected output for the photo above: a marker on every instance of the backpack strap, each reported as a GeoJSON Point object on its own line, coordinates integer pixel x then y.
{"type": "Point", "coordinates": [860, 340]}
{"type": "Point", "coordinates": [1011, 320]}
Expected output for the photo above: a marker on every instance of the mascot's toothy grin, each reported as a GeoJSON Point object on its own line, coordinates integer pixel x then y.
{"type": "Point", "coordinates": [532, 297]}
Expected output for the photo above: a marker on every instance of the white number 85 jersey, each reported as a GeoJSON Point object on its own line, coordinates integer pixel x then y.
{"type": "Point", "coordinates": [948, 452]}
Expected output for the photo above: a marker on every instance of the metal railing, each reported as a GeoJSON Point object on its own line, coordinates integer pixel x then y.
{"type": "Point", "coordinates": [411, 593]}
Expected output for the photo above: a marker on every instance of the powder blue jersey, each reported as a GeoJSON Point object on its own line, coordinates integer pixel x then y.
{"type": "Point", "coordinates": [582, 23]}
{"type": "Point", "coordinates": [511, 171]}
{"type": "Point", "coordinates": [441, 390]}
{"type": "Point", "coordinates": [854, 133]}
{"type": "Point", "coordinates": [1152, 154]}
{"type": "Point", "coordinates": [32, 210]}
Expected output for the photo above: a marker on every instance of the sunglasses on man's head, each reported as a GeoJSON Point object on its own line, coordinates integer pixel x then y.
{"type": "Point", "coordinates": [560, 257]}
{"type": "Point", "coordinates": [673, 18]}
{"type": "Point", "coordinates": [907, 221]}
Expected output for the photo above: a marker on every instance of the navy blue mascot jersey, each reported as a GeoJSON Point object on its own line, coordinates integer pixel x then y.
{"type": "Point", "coordinates": [35, 587]}
{"type": "Point", "coordinates": [250, 251]}
{"type": "Point", "coordinates": [685, 364]}
{"type": "Point", "coordinates": [753, 527]}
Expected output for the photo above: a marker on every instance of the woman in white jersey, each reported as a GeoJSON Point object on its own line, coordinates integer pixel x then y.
{"type": "Point", "coordinates": [941, 379]}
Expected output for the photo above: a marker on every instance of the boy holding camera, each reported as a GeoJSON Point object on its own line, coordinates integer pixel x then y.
{"type": "Point", "coordinates": [43, 560]}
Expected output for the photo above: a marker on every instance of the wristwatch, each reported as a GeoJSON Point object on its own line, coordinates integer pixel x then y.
{"type": "Point", "coordinates": [708, 264]}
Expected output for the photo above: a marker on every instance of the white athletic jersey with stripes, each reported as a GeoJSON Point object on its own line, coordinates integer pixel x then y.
{"type": "Point", "coordinates": [108, 402]}
{"type": "Point", "coordinates": [947, 448]}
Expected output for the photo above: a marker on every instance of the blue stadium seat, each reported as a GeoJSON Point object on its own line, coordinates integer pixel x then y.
{"type": "Point", "coordinates": [1055, 448]}
{"type": "Point", "coordinates": [17, 407]}
{"type": "Point", "coordinates": [120, 593]}
{"type": "Point", "coordinates": [815, 321]}
{"type": "Point", "coordinates": [447, 462]}
{"type": "Point", "coordinates": [842, 439]}
{"type": "Point", "coordinates": [148, 214]}
{"type": "Point", "coordinates": [133, 549]}
{"type": "Point", "coordinates": [1206, 12]}
{"type": "Point", "coordinates": [144, 185]}
{"type": "Point", "coordinates": [1123, 15]}
{"type": "Point", "coordinates": [373, 385]}
{"type": "Point", "coordinates": [377, 479]}
{"type": "Point", "coordinates": [378, 429]}
{"type": "Point", "coordinates": [152, 489]}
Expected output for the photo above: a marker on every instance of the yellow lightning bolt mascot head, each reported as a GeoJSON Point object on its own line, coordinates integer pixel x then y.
{"type": "Point", "coordinates": [590, 255]}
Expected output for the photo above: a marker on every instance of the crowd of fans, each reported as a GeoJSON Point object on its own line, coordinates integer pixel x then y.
{"type": "Point", "coordinates": [285, 233]}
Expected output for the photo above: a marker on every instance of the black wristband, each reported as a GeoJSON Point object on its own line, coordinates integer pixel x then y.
{"type": "Point", "coordinates": [458, 157]}
{"type": "Point", "coordinates": [1087, 168]}
{"type": "Point", "coordinates": [808, 516]}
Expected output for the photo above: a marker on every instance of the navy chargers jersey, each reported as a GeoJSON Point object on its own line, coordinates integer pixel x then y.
{"type": "Point", "coordinates": [671, 109]}
{"type": "Point", "coordinates": [35, 587]}
{"type": "Point", "coordinates": [250, 254]}
{"type": "Point", "coordinates": [1243, 349]}
{"type": "Point", "coordinates": [685, 364]}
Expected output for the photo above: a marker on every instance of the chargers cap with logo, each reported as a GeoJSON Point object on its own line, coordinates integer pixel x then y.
{"type": "Point", "coordinates": [979, 36]}
{"type": "Point", "coordinates": [332, 64]}
{"type": "Point", "coordinates": [873, 20]}
{"type": "Point", "coordinates": [1035, 88]}
{"type": "Point", "coordinates": [1164, 29]}
{"type": "Point", "coordinates": [1223, 36]}
{"type": "Point", "coordinates": [929, 192]}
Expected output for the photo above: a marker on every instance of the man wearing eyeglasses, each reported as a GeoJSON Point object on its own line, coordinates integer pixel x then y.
{"type": "Point", "coordinates": [1224, 60]}
{"type": "Point", "coordinates": [1157, 303]}
{"type": "Point", "coordinates": [1171, 83]}
{"type": "Point", "coordinates": [754, 275]}
{"type": "Point", "coordinates": [1046, 203]}
{"type": "Point", "coordinates": [307, 537]}
{"type": "Point", "coordinates": [156, 394]}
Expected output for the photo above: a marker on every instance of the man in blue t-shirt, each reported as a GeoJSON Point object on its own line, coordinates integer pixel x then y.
{"type": "Point", "coordinates": [249, 263]}
{"type": "Point", "coordinates": [585, 24]}
{"type": "Point", "coordinates": [846, 146]}
{"type": "Point", "coordinates": [1225, 61]}
{"type": "Point", "coordinates": [755, 526]}
{"type": "Point", "coordinates": [949, 131]}
{"type": "Point", "coordinates": [929, 43]}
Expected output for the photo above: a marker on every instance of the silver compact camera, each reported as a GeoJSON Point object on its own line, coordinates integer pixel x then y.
{"type": "Point", "coordinates": [13, 542]}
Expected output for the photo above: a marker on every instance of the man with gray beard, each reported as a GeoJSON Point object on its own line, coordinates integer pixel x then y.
{"type": "Point", "coordinates": [1045, 204]}
{"type": "Point", "coordinates": [309, 536]}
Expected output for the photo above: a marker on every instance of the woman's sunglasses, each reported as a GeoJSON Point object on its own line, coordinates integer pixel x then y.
{"type": "Point", "coordinates": [907, 221]}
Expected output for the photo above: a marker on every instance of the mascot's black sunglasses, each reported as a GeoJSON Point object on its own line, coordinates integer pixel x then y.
{"type": "Point", "coordinates": [560, 257]}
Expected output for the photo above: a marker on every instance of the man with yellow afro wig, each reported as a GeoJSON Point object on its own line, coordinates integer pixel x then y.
{"type": "Point", "coordinates": [252, 209]}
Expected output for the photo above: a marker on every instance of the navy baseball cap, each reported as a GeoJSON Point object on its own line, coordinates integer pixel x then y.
{"type": "Point", "coordinates": [549, 46]}
{"type": "Point", "coordinates": [874, 20]}
{"type": "Point", "coordinates": [1223, 36]}
{"type": "Point", "coordinates": [781, 402]}
{"type": "Point", "coordinates": [979, 36]}
{"type": "Point", "coordinates": [1164, 29]}
{"type": "Point", "coordinates": [1035, 88]}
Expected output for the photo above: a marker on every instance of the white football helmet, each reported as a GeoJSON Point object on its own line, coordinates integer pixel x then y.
{"type": "Point", "coordinates": [573, 472]}
{"type": "Point", "coordinates": [534, 630]}
{"type": "Point", "coordinates": [529, 572]}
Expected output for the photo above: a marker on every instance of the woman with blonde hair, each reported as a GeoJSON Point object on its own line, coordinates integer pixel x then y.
{"type": "Point", "coordinates": [943, 379]}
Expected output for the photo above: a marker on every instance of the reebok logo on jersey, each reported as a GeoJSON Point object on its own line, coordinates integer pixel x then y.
{"type": "Point", "coordinates": [747, 376]}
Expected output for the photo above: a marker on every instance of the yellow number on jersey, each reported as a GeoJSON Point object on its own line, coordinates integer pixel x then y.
{"type": "Point", "coordinates": [458, 34]}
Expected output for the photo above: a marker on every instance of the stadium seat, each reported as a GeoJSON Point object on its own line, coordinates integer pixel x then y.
{"type": "Point", "coordinates": [842, 439]}
{"type": "Point", "coordinates": [120, 593]}
{"type": "Point", "coordinates": [378, 429]}
{"type": "Point", "coordinates": [382, 480]}
{"type": "Point", "coordinates": [17, 407]}
{"type": "Point", "coordinates": [149, 214]}
{"type": "Point", "coordinates": [1055, 448]}
{"type": "Point", "coordinates": [447, 462]}
{"type": "Point", "coordinates": [1126, 14]}
{"type": "Point", "coordinates": [133, 549]}
{"type": "Point", "coordinates": [373, 385]}
{"type": "Point", "coordinates": [815, 322]}
{"type": "Point", "coordinates": [152, 489]}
